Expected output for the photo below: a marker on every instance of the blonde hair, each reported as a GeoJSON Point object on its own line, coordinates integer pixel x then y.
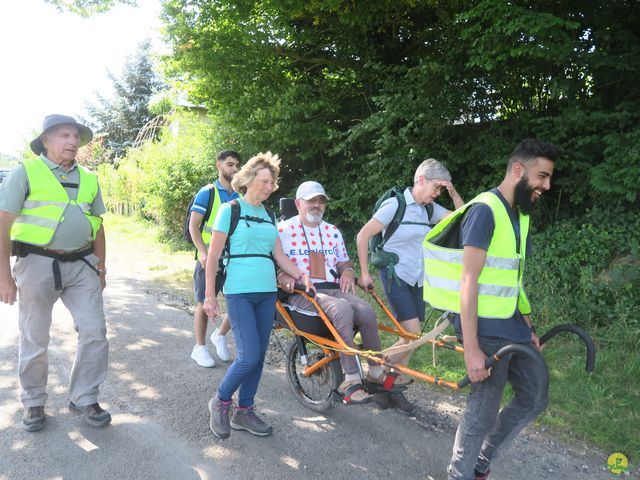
{"type": "Point", "coordinates": [431, 169]}
{"type": "Point", "coordinates": [250, 169]}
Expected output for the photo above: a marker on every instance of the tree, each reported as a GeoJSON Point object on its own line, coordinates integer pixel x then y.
{"type": "Point", "coordinates": [122, 116]}
{"type": "Point", "coordinates": [86, 8]}
{"type": "Point", "coordinates": [359, 92]}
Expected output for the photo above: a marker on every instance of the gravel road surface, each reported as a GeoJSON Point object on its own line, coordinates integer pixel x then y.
{"type": "Point", "coordinates": [158, 396]}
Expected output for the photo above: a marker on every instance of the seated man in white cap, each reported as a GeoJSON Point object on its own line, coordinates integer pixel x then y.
{"type": "Point", "coordinates": [318, 247]}
{"type": "Point", "coordinates": [50, 209]}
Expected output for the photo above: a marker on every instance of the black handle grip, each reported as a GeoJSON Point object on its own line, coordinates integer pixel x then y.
{"type": "Point", "coordinates": [499, 355]}
{"type": "Point", "coordinates": [588, 342]}
{"type": "Point", "coordinates": [299, 286]}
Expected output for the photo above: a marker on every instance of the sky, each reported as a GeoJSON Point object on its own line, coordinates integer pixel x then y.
{"type": "Point", "coordinates": [54, 62]}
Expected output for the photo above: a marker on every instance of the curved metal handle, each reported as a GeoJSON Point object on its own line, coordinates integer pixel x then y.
{"type": "Point", "coordinates": [499, 355]}
{"type": "Point", "coordinates": [303, 288]}
{"type": "Point", "coordinates": [588, 342]}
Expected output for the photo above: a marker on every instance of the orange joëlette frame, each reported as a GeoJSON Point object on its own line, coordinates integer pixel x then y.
{"type": "Point", "coordinates": [333, 347]}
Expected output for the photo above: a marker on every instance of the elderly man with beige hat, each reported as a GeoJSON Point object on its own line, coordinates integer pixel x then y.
{"type": "Point", "coordinates": [50, 210]}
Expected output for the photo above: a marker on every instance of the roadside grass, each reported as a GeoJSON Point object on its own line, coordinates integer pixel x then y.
{"type": "Point", "coordinates": [169, 267]}
{"type": "Point", "coordinates": [602, 408]}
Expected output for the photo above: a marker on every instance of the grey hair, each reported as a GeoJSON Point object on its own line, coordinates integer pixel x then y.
{"type": "Point", "coordinates": [431, 169]}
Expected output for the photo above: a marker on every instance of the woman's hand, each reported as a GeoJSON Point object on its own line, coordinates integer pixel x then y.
{"type": "Point", "coordinates": [453, 193]}
{"type": "Point", "coordinates": [308, 284]}
{"type": "Point", "coordinates": [365, 280]}
{"type": "Point", "coordinates": [286, 282]}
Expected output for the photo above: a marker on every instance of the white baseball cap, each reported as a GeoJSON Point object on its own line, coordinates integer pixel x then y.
{"type": "Point", "coordinates": [309, 190]}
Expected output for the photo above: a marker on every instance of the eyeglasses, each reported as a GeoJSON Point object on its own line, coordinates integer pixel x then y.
{"type": "Point", "coordinates": [437, 188]}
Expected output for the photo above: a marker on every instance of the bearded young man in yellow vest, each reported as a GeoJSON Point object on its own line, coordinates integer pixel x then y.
{"type": "Point", "coordinates": [227, 164]}
{"type": "Point", "coordinates": [50, 209]}
{"type": "Point", "coordinates": [474, 261]}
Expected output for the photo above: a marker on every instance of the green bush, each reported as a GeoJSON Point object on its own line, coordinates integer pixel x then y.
{"type": "Point", "coordinates": [157, 180]}
{"type": "Point", "coordinates": [586, 271]}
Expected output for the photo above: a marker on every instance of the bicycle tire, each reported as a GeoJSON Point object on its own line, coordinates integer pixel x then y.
{"type": "Point", "coordinates": [316, 391]}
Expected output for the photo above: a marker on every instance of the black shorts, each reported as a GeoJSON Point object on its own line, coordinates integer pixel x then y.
{"type": "Point", "coordinates": [406, 300]}
{"type": "Point", "coordinates": [199, 282]}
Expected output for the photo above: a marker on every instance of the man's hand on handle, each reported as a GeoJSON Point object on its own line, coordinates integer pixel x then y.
{"type": "Point", "coordinates": [474, 359]}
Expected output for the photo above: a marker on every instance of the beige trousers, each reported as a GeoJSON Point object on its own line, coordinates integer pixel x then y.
{"type": "Point", "coordinates": [82, 295]}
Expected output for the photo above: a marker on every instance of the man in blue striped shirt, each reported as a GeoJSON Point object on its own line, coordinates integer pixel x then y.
{"type": "Point", "coordinates": [227, 163]}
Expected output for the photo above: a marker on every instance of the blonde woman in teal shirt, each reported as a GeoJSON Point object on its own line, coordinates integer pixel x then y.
{"type": "Point", "coordinates": [249, 290]}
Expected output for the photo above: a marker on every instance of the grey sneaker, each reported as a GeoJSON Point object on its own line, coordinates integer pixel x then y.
{"type": "Point", "coordinates": [33, 418]}
{"type": "Point", "coordinates": [246, 419]}
{"type": "Point", "coordinates": [219, 421]}
{"type": "Point", "coordinates": [399, 401]}
{"type": "Point", "coordinates": [93, 414]}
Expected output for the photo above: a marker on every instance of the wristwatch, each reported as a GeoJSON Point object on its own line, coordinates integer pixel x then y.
{"type": "Point", "coordinates": [102, 270]}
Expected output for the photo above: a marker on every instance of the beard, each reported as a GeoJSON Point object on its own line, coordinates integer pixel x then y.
{"type": "Point", "coordinates": [227, 177]}
{"type": "Point", "coordinates": [523, 196]}
{"type": "Point", "coordinates": [314, 217]}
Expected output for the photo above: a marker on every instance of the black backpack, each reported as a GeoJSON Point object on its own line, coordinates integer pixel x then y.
{"type": "Point", "coordinates": [377, 256]}
{"type": "Point", "coordinates": [233, 224]}
{"type": "Point", "coordinates": [186, 234]}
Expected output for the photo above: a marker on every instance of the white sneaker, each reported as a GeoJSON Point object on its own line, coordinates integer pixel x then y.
{"type": "Point", "coordinates": [202, 356]}
{"type": "Point", "coordinates": [220, 342]}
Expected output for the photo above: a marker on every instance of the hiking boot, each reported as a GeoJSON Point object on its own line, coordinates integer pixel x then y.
{"type": "Point", "coordinates": [481, 476]}
{"type": "Point", "coordinates": [246, 419]}
{"type": "Point", "coordinates": [33, 418]}
{"type": "Point", "coordinates": [399, 401]}
{"type": "Point", "coordinates": [220, 342]}
{"type": "Point", "coordinates": [219, 421]}
{"type": "Point", "coordinates": [93, 414]}
{"type": "Point", "coordinates": [382, 400]}
{"type": "Point", "coordinates": [202, 356]}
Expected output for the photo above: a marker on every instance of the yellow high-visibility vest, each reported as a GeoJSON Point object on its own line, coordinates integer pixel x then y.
{"type": "Point", "coordinates": [500, 289]}
{"type": "Point", "coordinates": [43, 208]}
{"type": "Point", "coordinates": [207, 229]}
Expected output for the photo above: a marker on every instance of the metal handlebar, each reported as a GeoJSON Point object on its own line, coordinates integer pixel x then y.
{"type": "Point", "coordinates": [299, 286]}
{"type": "Point", "coordinates": [515, 348]}
{"type": "Point", "coordinates": [588, 342]}
{"type": "Point", "coordinates": [497, 356]}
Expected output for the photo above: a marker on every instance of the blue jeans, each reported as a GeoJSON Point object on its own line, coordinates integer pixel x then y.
{"type": "Point", "coordinates": [251, 316]}
{"type": "Point", "coordinates": [482, 431]}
